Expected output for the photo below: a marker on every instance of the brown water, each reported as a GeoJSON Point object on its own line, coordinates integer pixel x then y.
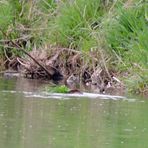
{"type": "Point", "coordinates": [38, 122]}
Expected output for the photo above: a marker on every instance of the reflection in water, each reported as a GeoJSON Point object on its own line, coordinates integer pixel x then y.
{"type": "Point", "coordinates": [30, 85]}
{"type": "Point", "coordinates": [78, 123]}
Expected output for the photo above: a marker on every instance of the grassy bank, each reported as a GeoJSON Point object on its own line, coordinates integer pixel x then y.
{"type": "Point", "coordinates": [113, 33]}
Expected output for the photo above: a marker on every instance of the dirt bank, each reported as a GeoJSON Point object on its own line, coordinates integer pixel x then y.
{"type": "Point", "coordinates": [67, 66]}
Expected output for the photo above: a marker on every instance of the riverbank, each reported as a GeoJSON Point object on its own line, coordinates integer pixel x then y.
{"type": "Point", "coordinates": [103, 44]}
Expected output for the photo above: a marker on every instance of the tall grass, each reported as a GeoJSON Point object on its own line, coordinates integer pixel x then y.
{"type": "Point", "coordinates": [127, 35]}
{"type": "Point", "coordinates": [74, 22]}
{"type": "Point", "coordinates": [25, 20]}
{"type": "Point", "coordinates": [118, 29]}
{"type": "Point", "coordinates": [5, 15]}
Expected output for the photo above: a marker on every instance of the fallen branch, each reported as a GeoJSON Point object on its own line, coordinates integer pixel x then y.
{"type": "Point", "coordinates": [25, 52]}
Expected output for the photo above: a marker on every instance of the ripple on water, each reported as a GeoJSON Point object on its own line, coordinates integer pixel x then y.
{"type": "Point", "coordinates": [67, 96]}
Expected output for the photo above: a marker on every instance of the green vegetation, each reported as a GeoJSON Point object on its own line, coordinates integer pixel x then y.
{"type": "Point", "coordinates": [116, 31]}
{"type": "Point", "coordinates": [58, 89]}
{"type": "Point", "coordinates": [127, 39]}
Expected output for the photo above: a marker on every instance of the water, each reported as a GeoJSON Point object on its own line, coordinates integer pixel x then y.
{"type": "Point", "coordinates": [36, 122]}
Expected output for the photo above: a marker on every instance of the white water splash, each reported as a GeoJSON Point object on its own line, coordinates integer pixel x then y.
{"type": "Point", "coordinates": [64, 96]}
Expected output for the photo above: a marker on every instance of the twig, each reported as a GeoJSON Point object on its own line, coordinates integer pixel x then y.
{"type": "Point", "coordinates": [7, 55]}
{"type": "Point", "coordinates": [16, 39]}
{"type": "Point", "coordinates": [16, 46]}
{"type": "Point", "coordinates": [18, 59]}
{"type": "Point", "coordinates": [21, 49]}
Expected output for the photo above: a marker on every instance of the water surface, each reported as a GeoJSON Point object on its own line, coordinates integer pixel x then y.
{"type": "Point", "coordinates": [36, 122]}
